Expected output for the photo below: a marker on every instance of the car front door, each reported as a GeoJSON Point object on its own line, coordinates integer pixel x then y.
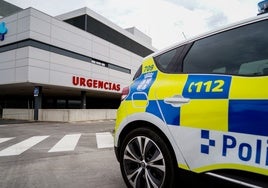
{"type": "Point", "coordinates": [224, 123]}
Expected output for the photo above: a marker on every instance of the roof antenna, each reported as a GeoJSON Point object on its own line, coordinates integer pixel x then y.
{"type": "Point", "coordinates": [184, 35]}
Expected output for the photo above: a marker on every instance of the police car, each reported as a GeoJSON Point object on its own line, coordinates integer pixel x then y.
{"type": "Point", "coordinates": [199, 106]}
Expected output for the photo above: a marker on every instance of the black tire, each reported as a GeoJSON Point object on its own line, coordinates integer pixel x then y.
{"type": "Point", "coordinates": [146, 161]}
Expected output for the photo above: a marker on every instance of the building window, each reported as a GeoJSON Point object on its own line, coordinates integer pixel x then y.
{"type": "Point", "coordinates": [103, 31]}
{"type": "Point", "coordinates": [64, 52]}
{"type": "Point", "coordinates": [78, 22]}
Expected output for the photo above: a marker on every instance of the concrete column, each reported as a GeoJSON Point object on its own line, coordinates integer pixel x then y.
{"type": "Point", "coordinates": [83, 100]}
{"type": "Point", "coordinates": [37, 101]}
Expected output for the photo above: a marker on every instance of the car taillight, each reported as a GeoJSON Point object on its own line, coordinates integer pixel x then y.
{"type": "Point", "coordinates": [125, 93]}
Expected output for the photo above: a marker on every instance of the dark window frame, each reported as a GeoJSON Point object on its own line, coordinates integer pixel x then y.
{"type": "Point", "coordinates": [107, 33]}
{"type": "Point", "coordinates": [61, 51]}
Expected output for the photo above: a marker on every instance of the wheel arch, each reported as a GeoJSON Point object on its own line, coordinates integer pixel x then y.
{"type": "Point", "coordinates": [145, 124]}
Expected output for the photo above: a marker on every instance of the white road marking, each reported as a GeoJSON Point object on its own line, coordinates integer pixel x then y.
{"type": "Point", "coordinates": [5, 139]}
{"type": "Point", "coordinates": [104, 140]}
{"type": "Point", "coordinates": [21, 147]}
{"type": "Point", "coordinates": [67, 143]}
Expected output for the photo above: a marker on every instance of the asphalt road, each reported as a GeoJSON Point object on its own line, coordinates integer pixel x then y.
{"type": "Point", "coordinates": [67, 155]}
{"type": "Point", "coordinates": [86, 165]}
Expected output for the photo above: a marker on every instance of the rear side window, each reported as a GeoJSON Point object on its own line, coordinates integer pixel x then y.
{"type": "Point", "coordinates": [241, 51]}
{"type": "Point", "coordinates": [138, 73]}
{"type": "Point", "coordinates": [168, 62]}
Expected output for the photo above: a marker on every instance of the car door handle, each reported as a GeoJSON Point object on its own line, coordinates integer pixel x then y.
{"type": "Point", "coordinates": [176, 100]}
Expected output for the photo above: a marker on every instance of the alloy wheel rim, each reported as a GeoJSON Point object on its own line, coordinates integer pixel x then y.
{"type": "Point", "coordinates": [144, 163]}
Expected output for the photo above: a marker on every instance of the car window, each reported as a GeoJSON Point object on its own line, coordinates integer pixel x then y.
{"type": "Point", "coordinates": [241, 51]}
{"type": "Point", "coordinates": [168, 62]}
{"type": "Point", "coordinates": [138, 73]}
{"type": "Point", "coordinates": [255, 68]}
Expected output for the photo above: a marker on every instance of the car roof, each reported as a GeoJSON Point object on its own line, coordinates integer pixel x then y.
{"type": "Point", "coordinates": [212, 32]}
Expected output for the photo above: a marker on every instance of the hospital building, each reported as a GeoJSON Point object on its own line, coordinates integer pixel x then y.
{"type": "Point", "coordinates": [70, 67]}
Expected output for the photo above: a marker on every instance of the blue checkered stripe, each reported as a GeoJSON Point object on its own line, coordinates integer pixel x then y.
{"type": "Point", "coordinates": [210, 142]}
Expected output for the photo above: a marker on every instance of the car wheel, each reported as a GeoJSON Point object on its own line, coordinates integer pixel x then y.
{"type": "Point", "coordinates": [145, 160]}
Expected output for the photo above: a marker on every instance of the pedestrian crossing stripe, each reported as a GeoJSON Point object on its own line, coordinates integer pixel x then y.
{"type": "Point", "coordinates": [104, 140]}
{"type": "Point", "coordinates": [66, 143]}
{"type": "Point", "coordinates": [5, 139]}
{"type": "Point", "coordinates": [21, 147]}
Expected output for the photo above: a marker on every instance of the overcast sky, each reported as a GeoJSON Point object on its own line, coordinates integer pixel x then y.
{"type": "Point", "coordinates": [165, 21]}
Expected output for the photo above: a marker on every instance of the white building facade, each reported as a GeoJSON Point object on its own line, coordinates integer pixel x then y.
{"type": "Point", "coordinates": [76, 60]}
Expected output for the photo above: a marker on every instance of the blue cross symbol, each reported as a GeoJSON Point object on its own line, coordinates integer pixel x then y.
{"type": "Point", "coordinates": [3, 30]}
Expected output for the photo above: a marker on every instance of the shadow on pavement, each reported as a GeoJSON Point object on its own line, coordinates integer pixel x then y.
{"type": "Point", "coordinates": [14, 121]}
{"type": "Point", "coordinates": [188, 179]}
